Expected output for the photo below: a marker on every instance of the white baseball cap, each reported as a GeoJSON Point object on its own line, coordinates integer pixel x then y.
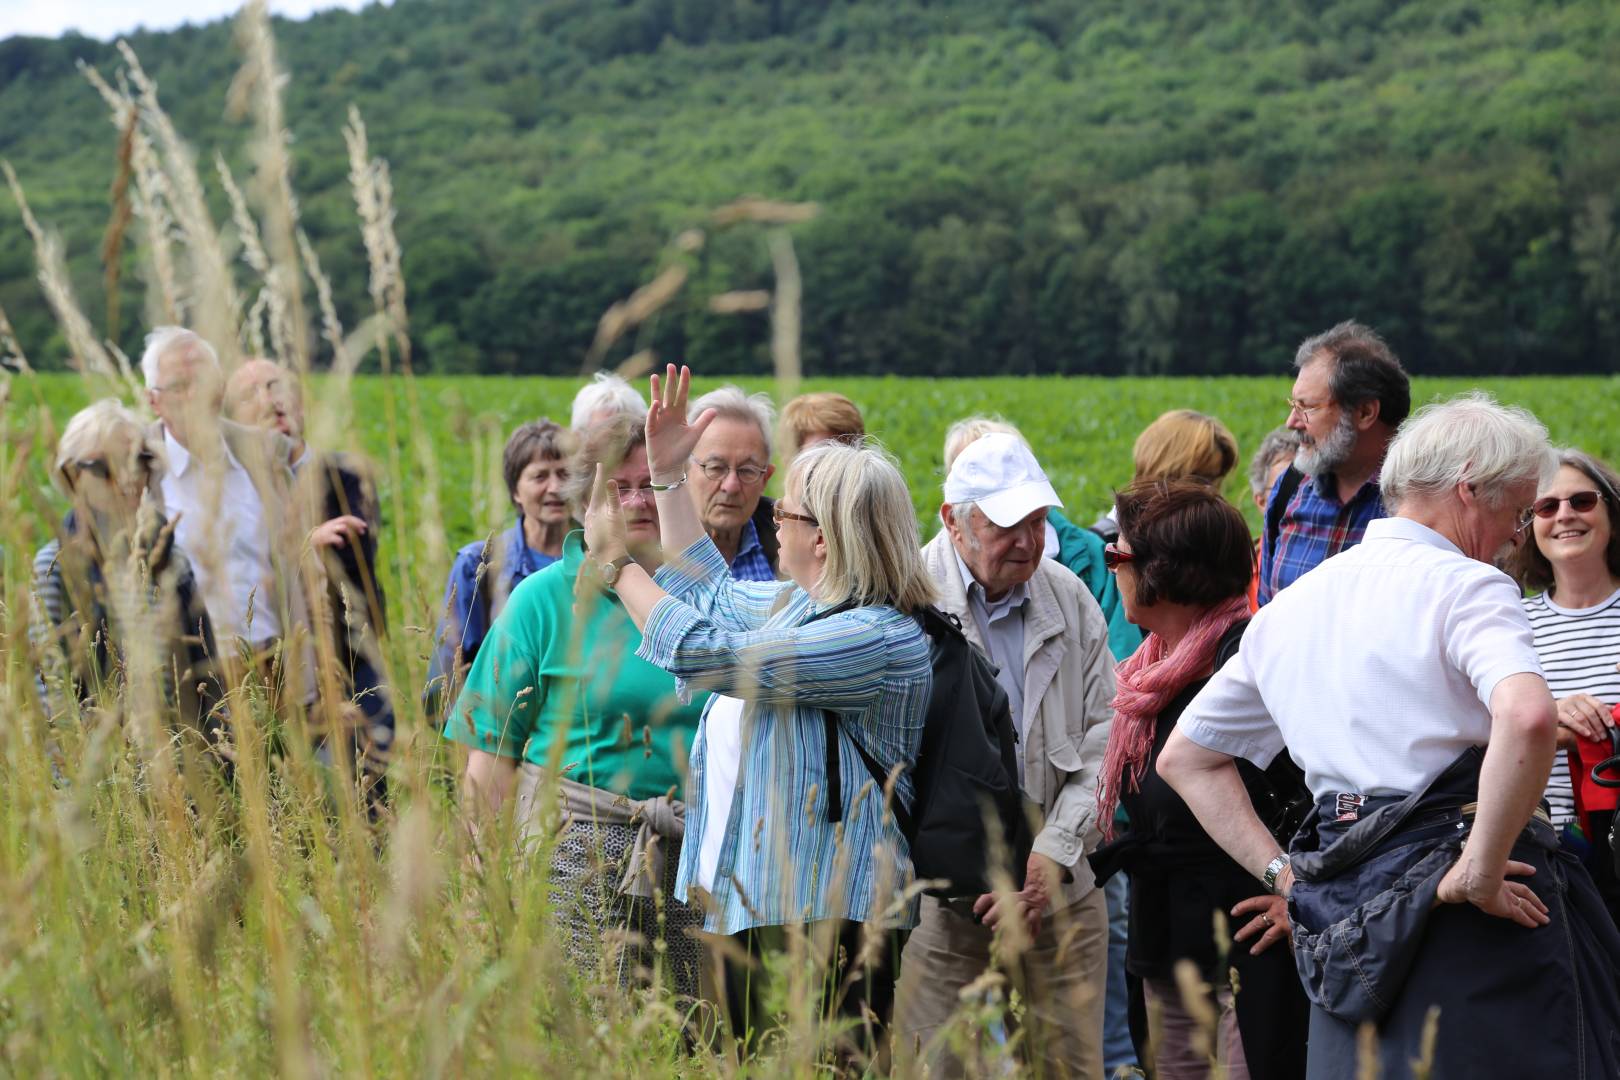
{"type": "Point", "coordinates": [999, 474]}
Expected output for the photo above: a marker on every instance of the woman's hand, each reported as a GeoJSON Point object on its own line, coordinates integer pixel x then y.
{"type": "Point", "coordinates": [1270, 923]}
{"type": "Point", "coordinates": [670, 439]}
{"type": "Point", "coordinates": [604, 520]}
{"type": "Point", "coordinates": [1494, 896]}
{"type": "Point", "coordinates": [1585, 716]}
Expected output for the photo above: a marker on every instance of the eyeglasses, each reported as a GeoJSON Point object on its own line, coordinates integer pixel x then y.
{"type": "Point", "coordinates": [780, 515]}
{"type": "Point", "coordinates": [99, 468]}
{"type": "Point", "coordinates": [718, 470]}
{"type": "Point", "coordinates": [1297, 406]}
{"type": "Point", "coordinates": [645, 494]}
{"type": "Point", "coordinates": [1114, 558]}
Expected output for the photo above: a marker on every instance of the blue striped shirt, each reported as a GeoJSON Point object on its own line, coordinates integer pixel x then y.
{"type": "Point", "coordinates": [781, 862]}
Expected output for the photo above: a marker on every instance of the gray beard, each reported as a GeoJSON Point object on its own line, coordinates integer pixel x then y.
{"type": "Point", "coordinates": [1332, 452]}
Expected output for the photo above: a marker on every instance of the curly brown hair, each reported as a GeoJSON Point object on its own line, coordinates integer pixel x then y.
{"type": "Point", "coordinates": [1190, 545]}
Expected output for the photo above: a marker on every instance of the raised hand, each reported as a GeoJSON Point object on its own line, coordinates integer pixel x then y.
{"type": "Point", "coordinates": [604, 520]}
{"type": "Point", "coordinates": [670, 439]}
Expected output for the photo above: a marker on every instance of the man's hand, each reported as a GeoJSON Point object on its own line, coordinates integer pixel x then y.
{"type": "Point", "coordinates": [1270, 923]}
{"type": "Point", "coordinates": [1042, 879]}
{"type": "Point", "coordinates": [1494, 895]}
{"type": "Point", "coordinates": [338, 532]}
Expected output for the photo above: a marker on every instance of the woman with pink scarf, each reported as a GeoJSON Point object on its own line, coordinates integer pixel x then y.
{"type": "Point", "coordinates": [1183, 564]}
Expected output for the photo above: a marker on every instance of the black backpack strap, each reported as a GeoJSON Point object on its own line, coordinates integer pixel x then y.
{"type": "Point", "coordinates": [835, 779]}
{"type": "Point", "coordinates": [1278, 506]}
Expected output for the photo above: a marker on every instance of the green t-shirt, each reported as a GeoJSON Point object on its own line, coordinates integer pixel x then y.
{"type": "Point", "coordinates": [541, 676]}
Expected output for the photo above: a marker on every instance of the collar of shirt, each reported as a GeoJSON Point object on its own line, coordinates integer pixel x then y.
{"type": "Point", "coordinates": [1399, 528]}
{"type": "Point", "coordinates": [994, 610]}
{"type": "Point", "coordinates": [748, 542]}
{"type": "Point", "coordinates": [180, 457]}
{"type": "Point", "coordinates": [751, 563]}
{"type": "Point", "coordinates": [1326, 488]}
{"type": "Point", "coordinates": [303, 459]}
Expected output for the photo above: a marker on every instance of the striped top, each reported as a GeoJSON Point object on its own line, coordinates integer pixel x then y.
{"type": "Point", "coordinates": [781, 862]}
{"type": "Point", "coordinates": [1578, 651]}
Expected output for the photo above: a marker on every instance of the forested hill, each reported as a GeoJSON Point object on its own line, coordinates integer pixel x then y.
{"type": "Point", "coordinates": [1097, 186]}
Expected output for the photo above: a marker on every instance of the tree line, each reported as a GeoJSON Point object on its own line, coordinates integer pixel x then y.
{"type": "Point", "coordinates": [1060, 186]}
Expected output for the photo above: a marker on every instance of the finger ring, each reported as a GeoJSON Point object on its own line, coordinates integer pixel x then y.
{"type": "Point", "coordinates": [1266, 921]}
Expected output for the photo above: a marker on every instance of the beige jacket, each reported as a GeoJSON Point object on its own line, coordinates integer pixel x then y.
{"type": "Point", "coordinates": [1068, 684]}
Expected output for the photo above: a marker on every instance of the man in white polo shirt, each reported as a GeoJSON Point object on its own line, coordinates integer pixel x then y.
{"type": "Point", "coordinates": [1044, 632]}
{"type": "Point", "coordinates": [229, 488]}
{"type": "Point", "coordinates": [1402, 677]}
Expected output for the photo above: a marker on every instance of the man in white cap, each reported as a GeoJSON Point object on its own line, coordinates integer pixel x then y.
{"type": "Point", "coordinates": [1046, 635]}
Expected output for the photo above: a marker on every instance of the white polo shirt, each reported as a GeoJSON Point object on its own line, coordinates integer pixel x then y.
{"type": "Point", "coordinates": [223, 531]}
{"type": "Point", "coordinates": [1375, 669]}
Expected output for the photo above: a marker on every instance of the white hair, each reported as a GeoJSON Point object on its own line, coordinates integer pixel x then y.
{"type": "Point", "coordinates": [166, 339]}
{"type": "Point", "coordinates": [89, 431]}
{"type": "Point", "coordinates": [730, 401]}
{"type": "Point", "coordinates": [1470, 439]}
{"type": "Point", "coordinates": [966, 431]}
{"type": "Point", "coordinates": [860, 501]}
{"type": "Point", "coordinates": [606, 393]}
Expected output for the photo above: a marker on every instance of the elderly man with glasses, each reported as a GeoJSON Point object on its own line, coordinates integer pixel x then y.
{"type": "Point", "coordinates": [1350, 395]}
{"type": "Point", "coordinates": [731, 464]}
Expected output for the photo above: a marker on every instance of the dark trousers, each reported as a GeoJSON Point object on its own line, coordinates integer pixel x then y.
{"type": "Point", "coordinates": [851, 984]}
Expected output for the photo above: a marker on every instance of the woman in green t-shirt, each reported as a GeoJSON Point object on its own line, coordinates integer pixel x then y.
{"type": "Point", "coordinates": [558, 706]}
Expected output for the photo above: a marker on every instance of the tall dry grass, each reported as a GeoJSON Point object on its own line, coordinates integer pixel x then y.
{"type": "Point", "coordinates": [156, 920]}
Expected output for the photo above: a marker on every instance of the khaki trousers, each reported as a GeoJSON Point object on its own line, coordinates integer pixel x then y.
{"type": "Point", "coordinates": [1060, 980]}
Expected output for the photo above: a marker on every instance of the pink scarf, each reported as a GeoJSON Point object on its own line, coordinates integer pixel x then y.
{"type": "Point", "coordinates": [1148, 681]}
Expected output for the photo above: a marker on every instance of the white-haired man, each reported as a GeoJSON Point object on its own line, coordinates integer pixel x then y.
{"type": "Point", "coordinates": [604, 397]}
{"type": "Point", "coordinates": [1402, 676]}
{"type": "Point", "coordinates": [231, 490]}
{"type": "Point", "coordinates": [1046, 635]}
{"type": "Point", "coordinates": [727, 474]}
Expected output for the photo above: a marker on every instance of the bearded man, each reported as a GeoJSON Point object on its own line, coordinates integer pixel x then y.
{"type": "Point", "coordinates": [1350, 395]}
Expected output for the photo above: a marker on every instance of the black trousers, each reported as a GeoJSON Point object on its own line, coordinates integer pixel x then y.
{"type": "Point", "coordinates": [851, 985]}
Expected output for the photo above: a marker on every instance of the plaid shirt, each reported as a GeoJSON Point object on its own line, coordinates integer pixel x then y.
{"type": "Point", "coordinates": [751, 563]}
{"type": "Point", "coordinates": [1315, 526]}
{"type": "Point", "coordinates": [781, 861]}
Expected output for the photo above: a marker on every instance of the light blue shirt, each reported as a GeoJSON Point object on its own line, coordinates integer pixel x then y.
{"type": "Point", "coordinates": [1001, 628]}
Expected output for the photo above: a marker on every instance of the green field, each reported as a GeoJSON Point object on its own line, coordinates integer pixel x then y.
{"type": "Point", "coordinates": [262, 933]}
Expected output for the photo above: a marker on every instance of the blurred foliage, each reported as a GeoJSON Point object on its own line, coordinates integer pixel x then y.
{"type": "Point", "coordinates": [1036, 187]}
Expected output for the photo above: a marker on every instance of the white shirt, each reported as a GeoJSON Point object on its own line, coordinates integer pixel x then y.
{"type": "Point", "coordinates": [1375, 669]}
{"type": "Point", "coordinates": [1001, 628]}
{"type": "Point", "coordinates": [222, 530]}
{"type": "Point", "coordinates": [722, 758]}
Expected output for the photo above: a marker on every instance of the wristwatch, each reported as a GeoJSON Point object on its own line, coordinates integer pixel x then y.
{"type": "Point", "coordinates": [610, 571]}
{"type": "Point", "coordinates": [1273, 869]}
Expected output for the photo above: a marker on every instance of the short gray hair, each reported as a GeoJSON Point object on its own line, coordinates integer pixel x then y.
{"type": "Point", "coordinates": [965, 431]}
{"type": "Point", "coordinates": [609, 393]}
{"type": "Point", "coordinates": [166, 339]}
{"type": "Point", "coordinates": [732, 402]}
{"type": "Point", "coordinates": [88, 432]}
{"type": "Point", "coordinates": [1278, 443]}
{"type": "Point", "coordinates": [1470, 439]}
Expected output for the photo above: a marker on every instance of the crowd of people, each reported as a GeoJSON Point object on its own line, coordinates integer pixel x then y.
{"type": "Point", "coordinates": [1340, 772]}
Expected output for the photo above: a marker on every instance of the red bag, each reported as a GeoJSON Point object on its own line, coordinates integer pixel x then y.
{"type": "Point", "coordinates": [1594, 768]}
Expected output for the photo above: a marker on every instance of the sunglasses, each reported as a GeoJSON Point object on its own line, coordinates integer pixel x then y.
{"type": "Point", "coordinates": [99, 467]}
{"type": "Point", "coordinates": [1114, 558]}
{"type": "Point", "coordinates": [1581, 502]}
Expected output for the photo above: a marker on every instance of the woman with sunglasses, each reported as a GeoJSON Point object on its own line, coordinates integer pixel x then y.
{"type": "Point", "coordinates": [115, 576]}
{"type": "Point", "coordinates": [1183, 564]}
{"type": "Point", "coordinates": [1572, 563]}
